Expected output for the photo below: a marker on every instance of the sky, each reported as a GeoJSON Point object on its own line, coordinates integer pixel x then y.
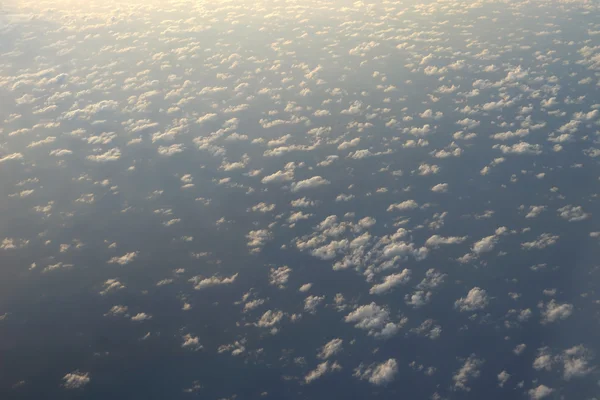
{"type": "Point", "coordinates": [299, 199]}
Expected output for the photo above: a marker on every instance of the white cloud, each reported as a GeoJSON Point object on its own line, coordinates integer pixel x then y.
{"type": "Point", "coordinates": [191, 342]}
{"type": "Point", "coordinates": [279, 276]}
{"type": "Point", "coordinates": [13, 156]}
{"type": "Point", "coordinates": [375, 320]}
{"type": "Point", "coordinates": [543, 241]}
{"type": "Point", "coordinates": [573, 213]}
{"type": "Point", "coordinates": [203, 283]}
{"type": "Point", "coordinates": [378, 374]}
{"type": "Point", "coordinates": [405, 205]}
{"type": "Point", "coordinates": [476, 299]}
{"type": "Point", "coordinates": [141, 317]}
{"type": "Point", "coordinates": [110, 155]}
{"type": "Point", "coordinates": [390, 281]}
{"type": "Point", "coordinates": [331, 348]}
{"type": "Point", "coordinates": [437, 240]}
{"type": "Point", "coordinates": [124, 259]}
{"type": "Point", "coordinates": [576, 362]}
{"type": "Point", "coordinates": [470, 370]}
{"type": "Point", "coordinates": [556, 311]}
{"type": "Point", "coordinates": [310, 183]}
{"type": "Point", "coordinates": [76, 380]}
{"type": "Point", "coordinates": [520, 148]}
{"type": "Point", "coordinates": [540, 392]}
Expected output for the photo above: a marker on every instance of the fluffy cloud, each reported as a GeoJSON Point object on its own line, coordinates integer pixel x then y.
{"type": "Point", "coordinates": [310, 183]}
{"type": "Point", "coordinates": [375, 320]}
{"type": "Point", "coordinates": [331, 348]}
{"type": "Point", "coordinates": [477, 299]}
{"type": "Point", "coordinates": [470, 370]}
{"type": "Point", "coordinates": [378, 374]}
{"type": "Point", "coordinates": [203, 283]}
{"type": "Point", "coordinates": [76, 380]}
{"type": "Point", "coordinates": [554, 311]}
{"type": "Point", "coordinates": [391, 281]}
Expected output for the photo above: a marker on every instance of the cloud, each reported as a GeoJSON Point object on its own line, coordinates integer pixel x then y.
{"type": "Point", "coordinates": [111, 285]}
{"type": "Point", "coordinates": [191, 342]}
{"type": "Point", "coordinates": [378, 374]}
{"type": "Point", "coordinates": [141, 317]}
{"type": "Point", "coordinates": [436, 241]}
{"type": "Point", "coordinates": [572, 213]}
{"type": "Point", "coordinates": [76, 380]}
{"type": "Point", "coordinates": [390, 281]}
{"type": "Point", "coordinates": [280, 276]}
{"type": "Point", "coordinates": [440, 188]}
{"type": "Point", "coordinates": [405, 205]}
{"type": "Point", "coordinates": [543, 241]}
{"type": "Point", "coordinates": [375, 320]}
{"type": "Point", "coordinates": [520, 148]}
{"type": "Point", "coordinates": [124, 259]}
{"type": "Point", "coordinates": [310, 183]}
{"type": "Point", "coordinates": [556, 311]}
{"type": "Point", "coordinates": [10, 157]}
{"type": "Point", "coordinates": [469, 370]}
{"type": "Point", "coordinates": [540, 392]}
{"type": "Point", "coordinates": [110, 155]}
{"type": "Point", "coordinates": [312, 302]}
{"type": "Point", "coordinates": [321, 370]}
{"type": "Point", "coordinates": [476, 299]}
{"type": "Point", "coordinates": [203, 283]}
{"type": "Point", "coordinates": [170, 150]}
{"type": "Point", "coordinates": [331, 348]}
{"type": "Point", "coordinates": [576, 362]}
{"type": "Point", "coordinates": [279, 177]}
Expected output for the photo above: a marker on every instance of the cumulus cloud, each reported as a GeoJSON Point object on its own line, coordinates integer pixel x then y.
{"type": "Point", "coordinates": [554, 311]}
{"type": "Point", "coordinates": [391, 281]}
{"type": "Point", "coordinates": [124, 259]}
{"type": "Point", "coordinates": [76, 380]}
{"type": "Point", "coordinates": [471, 369]}
{"type": "Point", "coordinates": [378, 374]}
{"type": "Point", "coordinates": [477, 299]}
{"type": "Point", "coordinates": [310, 183]}
{"type": "Point", "coordinates": [331, 348]}
{"type": "Point", "coordinates": [375, 320]}
{"type": "Point", "coordinates": [203, 283]}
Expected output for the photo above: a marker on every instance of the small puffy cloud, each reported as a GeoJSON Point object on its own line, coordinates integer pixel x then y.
{"type": "Point", "coordinates": [469, 370]}
{"type": "Point", "coordinates": [477, 299]}
{"type": "Point", "coordinates": [141, 317]}
{"type": "Point", "coordinates": [440, 188]}
{"type": "Point", "coordinates": [520, 148]}
{"type": "Point", "coordinates": [405, 205]}
{"type": "Point", "coordinates": [534, 211]}
{"type": "Point", "coordinates": [110, 155]}
{"type": "Point", "coordinates": [378, 374]}
{"type": "Point", "coordinates": [375, 320]}
{"type": "Point", "coordinates": [540, 392]}
{"type": "Point", "coordinates": [330, 348]}
{"type": "Point", "coordinates": [111, 285]}
{"type": "Point", "coordinates": [572, 213]}
{"type": "Point", "coordinates": [76, 380]}
{"type": "Point", "coordinates": [390, 281]}
{"type": "Point", "coordinates": [576, 362]}
{"type": "Point", "coordinates": [124, 259]}
{"type": "Point", "coordinates": [503, 377]}
{"type": "Point", "coordinates": [279, 177]}
{"type": "Point", "coordinates": [170, 150]}
{"type": "Point", "coordinates": [321, 370]}
{"type": "Point", "coordinates": [305, 288]}
{"type": "Point", "coordinates": [312, 302]}
{"type": "Point", "coordinates": [269, 319]}
{"type": "Point", "coordinates": [485, 245]}
{"type": "Point", "coordinates": [437, 240]}
{"type": "Point", "coordinates": [279, 276]}
{"type": "Point", "coordinates": [556, 311]}
{"type": "Point", "coordinates": [116, 311]}
{"type": "Point", "coordinates": [543, 241]}
{"type": "Point", "coordinates": [191, 342]}
{"type": "Point", "coordinates": [310, 183]}
{"type": "Point", "coordinates": [203, 283]}
{"type": "Point", "coordinates": [10, 157]}
{"type": "Point", "coordinates": [258, 238]}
